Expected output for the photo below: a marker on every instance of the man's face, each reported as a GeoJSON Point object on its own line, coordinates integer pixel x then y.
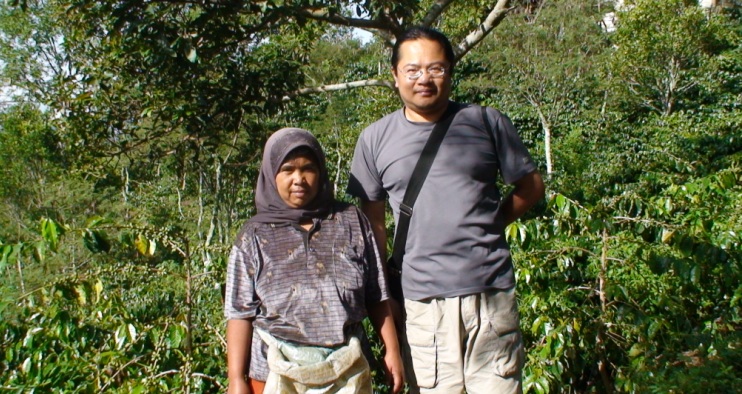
{"type": "Point", "coordinates": [425, 98]}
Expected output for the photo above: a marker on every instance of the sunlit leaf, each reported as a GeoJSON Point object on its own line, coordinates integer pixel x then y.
{"type": "Point", "coordinates": [120, 336]}
{"type": "Point", "coordinates": [192, 55]}
{"type": "Point", "coordinates": [511, 232]}
{"type": "Point", "coordinates": [39, 251]}
{"type": "Point", "coordinates": [96, 221]}
{"type": "Point", "coordinates": [668, 205]}
{"type": "Point", "coordinates": [175, 336]}
{"type": "Point", "coordinates": [667, 235]}
{"type": "Point", "coordinates": [138, 389]}
{"type": "Point", "coordinates": [142, 244]}
{"type": "Point", "coordinates": [26, 366]}
{"type": "Point", "coordinates": [98, 287]}
{"type": "Point", "coordinates": [536, 326]}
{"type": "Point", "coordinates": [636, 350]}
{"type": "Point", "coordinates": [51, 231]}
{"type": "Point", "coordinates": [561, 203]}
{"type": "Point", "coordinates": [4, 253]}
{"type": "Point", "coordinates": [28, 340]}
{"type": "Point", "coordinates": [522, 231]}
{"type": "Point", "coordinates": [132, 332]}
{"type": "Point", "coordinates": [82, 294]}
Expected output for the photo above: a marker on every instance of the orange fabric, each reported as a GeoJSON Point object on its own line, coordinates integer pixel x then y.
{"type": "Point", "coordinates": [256, 386]}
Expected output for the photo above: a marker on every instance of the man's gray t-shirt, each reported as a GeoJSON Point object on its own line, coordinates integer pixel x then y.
{"type": "Point", "coordinates": [456, 244]}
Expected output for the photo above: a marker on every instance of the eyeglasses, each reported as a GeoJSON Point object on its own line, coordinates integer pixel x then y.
{"type": "Point", "coordinates": [413, 74]}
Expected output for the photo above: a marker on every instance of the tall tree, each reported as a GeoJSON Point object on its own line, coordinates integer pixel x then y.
{"type": "Point", "coordinates": [545, 59]}
{"type": "Point", "coordinates": [662, 52]}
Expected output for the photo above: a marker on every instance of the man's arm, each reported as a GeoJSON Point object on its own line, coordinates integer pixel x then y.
{"type": "Point", "coordinates": [528, 191]}
{"type": "Point", "coordinates": [381, 318]}
{"type": "Point", "coordinates": [375, 211]}
{"type": "Point", "coordinates": [239, 341]}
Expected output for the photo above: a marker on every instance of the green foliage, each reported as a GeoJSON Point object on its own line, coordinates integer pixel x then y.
{"type": "Point", "coordinates": [99, 331]}
{"type": "Point", "coordinates": [541, 69]}
{"type": "Point", "coordinates": [130, 149]}
{"type": "Point", "coordinates": [613, 295]}
{"type": "Point", "coordinates": [664, 50]}
{"type": "Point", "coordinates": [27, 150]}
{"type": "Point", "coordinates": [619, 157]}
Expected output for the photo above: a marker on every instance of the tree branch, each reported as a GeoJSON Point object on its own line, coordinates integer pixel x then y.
{"type": "Point", "coordinates": [435, 12]}
{"type": "Point", "coordinates": [340, 86]}
{"type": "Point", "coordinates": [207, 377]}
{"type": "Point", "coordinates": [498, 13]}
{"type": "Point", "coordinates": [325, 16]}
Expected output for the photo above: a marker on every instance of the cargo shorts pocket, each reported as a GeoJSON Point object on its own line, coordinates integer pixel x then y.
{"type": "Point", "coordinates": [503, 330]}
{"type": "Point", "coordinates": [424, 354]}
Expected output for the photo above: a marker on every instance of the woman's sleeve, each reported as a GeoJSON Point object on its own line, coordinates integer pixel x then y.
{"type": "Point", "coordinates": [240, 299]}
{"type": "Point", "coordinates": [376, 288]}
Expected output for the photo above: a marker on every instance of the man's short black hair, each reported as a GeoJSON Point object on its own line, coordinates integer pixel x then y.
{"type": "Point", "coordinates": [422, 32]}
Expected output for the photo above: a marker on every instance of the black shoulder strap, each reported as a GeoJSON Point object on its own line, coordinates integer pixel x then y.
{"type": "Point", "coordinates": [416, 183]}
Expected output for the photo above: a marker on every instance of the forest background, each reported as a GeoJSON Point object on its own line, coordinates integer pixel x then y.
{"type": "Point", "coordinates": [131, 134]}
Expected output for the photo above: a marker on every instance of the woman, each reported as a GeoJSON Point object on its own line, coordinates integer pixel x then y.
{"type": "Point", "coordinates": [303, 274]}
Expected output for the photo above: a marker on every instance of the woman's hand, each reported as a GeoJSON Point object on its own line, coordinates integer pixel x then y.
{"type": "Point", "coordinates": [238, 386]}
{"type": "Point", "coordinates": [394, 371]}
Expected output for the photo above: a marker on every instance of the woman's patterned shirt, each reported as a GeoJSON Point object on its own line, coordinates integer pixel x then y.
{"type": "Point", "coordinates": [307, 287]}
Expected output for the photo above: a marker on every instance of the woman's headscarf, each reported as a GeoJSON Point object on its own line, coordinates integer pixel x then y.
{"type": "Point", "coordinates": [271, 208]}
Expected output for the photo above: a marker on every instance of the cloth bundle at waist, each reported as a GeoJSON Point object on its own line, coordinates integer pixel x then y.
{"type": "Point", "coordinates": [311, 369]}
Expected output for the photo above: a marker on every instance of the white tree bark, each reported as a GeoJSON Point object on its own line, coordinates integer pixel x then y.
{"type": "Point", "coordinates": [547, 140]}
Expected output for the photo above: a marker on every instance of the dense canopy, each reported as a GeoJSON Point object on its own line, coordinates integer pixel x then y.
{"type": "Point", "coordinates": [130, 137]}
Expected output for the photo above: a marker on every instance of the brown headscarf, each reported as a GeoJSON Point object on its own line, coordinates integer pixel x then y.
{"type": "Point", "coordinates": [271, 208]}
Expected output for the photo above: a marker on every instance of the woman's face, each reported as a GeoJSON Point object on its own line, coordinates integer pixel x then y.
{"type": "Point", "coordinates": [298, 179]}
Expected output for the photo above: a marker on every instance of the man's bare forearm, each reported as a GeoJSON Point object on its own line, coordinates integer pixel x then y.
{"type": "Point", "coordinates": [528, 191]}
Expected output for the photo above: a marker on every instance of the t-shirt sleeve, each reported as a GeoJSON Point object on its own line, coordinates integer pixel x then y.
{"type": "Point", "coordinates": [365, 182]}
{"type": "Point", "coordinates": [240, 299]}
{"type": "Point", "coordinates": [376, 287]}
{"type": "Point", "coordinates": [515, 161]}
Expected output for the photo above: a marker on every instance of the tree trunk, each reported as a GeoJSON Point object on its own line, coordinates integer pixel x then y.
{"type": "Point", "coordinates": [19, 265]}
{"type": "Point", "coordinates": [547, 140]}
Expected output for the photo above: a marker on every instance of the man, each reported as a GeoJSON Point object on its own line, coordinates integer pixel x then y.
{"type": "Point", "coordinates": [459, 287]}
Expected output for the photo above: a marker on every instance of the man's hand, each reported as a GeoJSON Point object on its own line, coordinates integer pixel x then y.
{"type": "Point", "coordinates": [381, 318]}
{"type": "Point", "coordinates": [528, 191]}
